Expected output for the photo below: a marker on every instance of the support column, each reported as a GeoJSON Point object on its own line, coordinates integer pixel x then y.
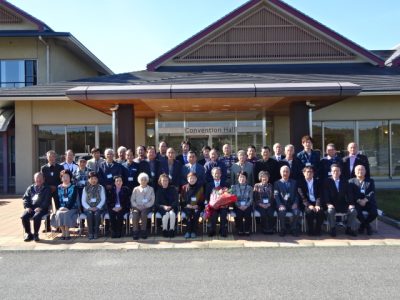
{"type": "Point", "coordinates": [126, 126]}
{"type": "Point", "coordinates": [5, 162]}
{"type": "Point", "coordinates": [299, 127]}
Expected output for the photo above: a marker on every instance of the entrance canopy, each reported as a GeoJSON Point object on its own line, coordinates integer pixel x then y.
{"type": "Point", "coordinates": [274, 97]}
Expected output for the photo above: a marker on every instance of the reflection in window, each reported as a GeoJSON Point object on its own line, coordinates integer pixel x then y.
{"type": "Point", "coordinates": [80, 138]}
{"type": "Point", "coordinates": [340, 133]}
{"type": "Point", "coordinates": [50, 138]}
{"type": "Point", "coordinates": [317, 136]}
{"type": "Point", "coordinates": [396, 148]}
{"type": "Point", "coordinates": [374, 142]}
{"type": "Point", "coordinates": [105, 136]}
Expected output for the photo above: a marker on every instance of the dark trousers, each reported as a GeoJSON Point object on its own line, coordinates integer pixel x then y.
{"type": "Point", "coordinates": [37, 219]}
{"type": "Point", "coordinates": [267, 217]}
{"type": "Point", "coordinates": [192, 219]}
{"type": "Point", "coordinates": [240, 214]}
{"type": "Point", "coordinates": [93, 220]}
{"type": "Point", "coordinates": [282, 218]}
{"type": "Point", "coordinates": [312, 216]}
{"type": "Point", "coordinates": [372, 214]}
{"type": "Point", "coordinates": [222, 213]}
{"type": "Point", "coordinates": [116, 220]}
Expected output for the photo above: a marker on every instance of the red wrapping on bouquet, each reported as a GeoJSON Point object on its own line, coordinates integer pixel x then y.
{"type": "Point", "coordinates": [219, 198]}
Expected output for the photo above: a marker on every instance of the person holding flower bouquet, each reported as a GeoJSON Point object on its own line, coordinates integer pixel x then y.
{"type": "Point", "coordinates": [244, 204]}
{"type": "Point", "coordinates": [192, 196]}
{"type": "Point", "coordinates": [213, 188]}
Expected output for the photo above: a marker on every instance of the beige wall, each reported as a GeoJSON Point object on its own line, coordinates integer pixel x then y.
{"type": "Point", "coordinates": [18, 48]}
{"type": "Point", "coordinates": [140, 138]}
{"type": "Point", "coordinates": [281, 130]}
{"type": "Point", "coordinates": [361, 108]}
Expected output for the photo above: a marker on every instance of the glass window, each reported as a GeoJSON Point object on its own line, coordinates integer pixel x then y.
{"type": "Point", "coordinates": [1, 163]}
{"type": "Point", "coordinates": [396, 148]}
{"type": "Point", "coordinates": [80, 138]}
{"type": "Point", "coordinates": [317, 136]}
{"type": "Point", "coordinates": [17, 73]}
{"type": "Point", "coordinates": [150, 132]}
{"type": "Point", "coordinates": [50, 138]}
{"type": "Point", "coordinates": [340, 133]}
{"type": "Point", "coordinates": [105, 136]}
{"type": "Point", "coordinates": [374, 142]}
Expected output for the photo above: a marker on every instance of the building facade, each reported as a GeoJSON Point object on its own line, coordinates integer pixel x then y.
{"type": "Point", "coordinates": [263, 73]}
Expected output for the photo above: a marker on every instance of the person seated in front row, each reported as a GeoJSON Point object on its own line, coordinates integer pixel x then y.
{"type": "Point", "coordinates": [265, 204]}
{"type": "Point", "coordinates": [286, 198]}
{"type": "Point", "coordinates": [67, 213]}
{"type": "Point", "coordinates": [309, 191]}
{"type": "Point", "coordinates": [142, 201]}
{"type": "Point", "coordinates": [93, 200]}
{"type": "Point", "coordinates": [244, 204]}
{"type": "Point", "coordinates": [362, 191]}
{"type": "Point", "coordinates": [337, 200]}
{"type": "Point", "coordinates": [212, 188]}
{"type": "Point", "coordinates": [167, 205]}
{"type": "Point", "coordinates": [36, 202]}
{"type": "Point", "coordinates": [118, 204]}
{"type": "Point", "coordinates": [192, 196]}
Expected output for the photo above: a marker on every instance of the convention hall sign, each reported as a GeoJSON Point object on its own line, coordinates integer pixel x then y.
{"type": "Point", "coordinates": [209, 130]}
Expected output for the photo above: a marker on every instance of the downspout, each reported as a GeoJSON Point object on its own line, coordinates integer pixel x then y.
{"type": "Point", "coordinates": [47, 59]}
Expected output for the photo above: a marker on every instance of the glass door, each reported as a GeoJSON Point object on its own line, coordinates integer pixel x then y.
{"type": "Point", "coordinates": [197, 143]}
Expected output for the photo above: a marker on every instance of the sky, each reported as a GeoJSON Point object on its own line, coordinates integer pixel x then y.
{"type": "Point", "coordinates": [126, 35]}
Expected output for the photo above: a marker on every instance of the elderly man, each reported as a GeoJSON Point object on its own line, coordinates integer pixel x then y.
{"type": "Point", "coordinates": [93, 164]}
{"type": "Point", "coordinates": [337, 200]}
{"type": "Point", "coordinates": [266, 163]}
{"type": "Point", "coordinates": [362, 190]}
{"type": "Point", "coordinates": [69, 163]}
{"type": "Point", "coordinates": [36, 204]}
{"type": "Point", "coordinates": [327, 161]}
{"type": "Point", "coordinates": [121, 152]}
{"type": "Point", "coordinates": [228, 159]}
{"type": "Point", "coordinates": [193, 167]}
{"type": "Point", "coordinates": [108, 169]}
{"type": "Point", "coordinates": [287, 200]}
{"type": "Point", "coordinates": [212, 163]}
{"type": "Point", "coordinates": [242, 166]}
{"type": "Point", "coordinates": [278, 152]}
{"type": "Point", "coordinates": [353, 159]}
{"type": "Point", "coordinates": [295, 165]}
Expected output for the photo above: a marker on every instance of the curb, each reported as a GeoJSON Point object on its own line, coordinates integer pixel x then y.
{"type": "Point", "coordinates": [389, 221]}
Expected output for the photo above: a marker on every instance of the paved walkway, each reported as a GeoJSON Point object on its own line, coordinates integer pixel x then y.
{"type": "Point", "coordinates": [11, 238]}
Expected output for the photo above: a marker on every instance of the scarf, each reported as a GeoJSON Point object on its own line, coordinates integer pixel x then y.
{"type": "Point", "coordinates": [93, 192]}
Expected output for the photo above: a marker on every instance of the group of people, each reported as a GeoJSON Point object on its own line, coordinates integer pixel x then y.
{"type": "Point", "coordinates": [279, 184]}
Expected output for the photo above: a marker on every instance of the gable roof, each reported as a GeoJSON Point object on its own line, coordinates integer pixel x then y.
{"type": "Point", "coordinates": [329, 40]}
{"type": "Point", "coordinates": [41, 26]}
{"type": "Point", "coordinates": [394, 59]}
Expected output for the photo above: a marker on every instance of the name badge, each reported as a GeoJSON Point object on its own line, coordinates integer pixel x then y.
{"type": "Point", "coordinates": [117, 205]}
{"type": "Point", "coordinates": [170, 177]}
{"type": "Point", "coordinates": [265, 201]}
{"type": "Point", "coordinates": [65, 199]}
{"type": "Point", "coordinates": [35, 197]}
{"type": "Point", "coordinates": [145, 201]}
{"type": "Point", "coordinates": [93, 200]}
{"type": "Point", "coordinates": [109, 176]}
{"type": "Point", "coordinates": [362, 191]}
{"type": "Point", "coordinates": [82, 182]}
{"type": "Point", "coordinates": [153, 174]}
{"type": "Point", "coordinates": [130, 178]}
{"type": "Point", "coordinates": [205, 202]}
{"type": "Point", "coordinates": [193, 200]}
{"type": "Point", "coordinates": [242, 203]}
{"type": "Point", "coordinates": [312, 198]}
{"type": "Point", "coordinates": [308, 164]}
{"type": "Point", "coordinates": [329, 173]}
{"type": "Point", "coordinates": [51, 173]}
{"type": "Point", "coordinates": [287, 196]}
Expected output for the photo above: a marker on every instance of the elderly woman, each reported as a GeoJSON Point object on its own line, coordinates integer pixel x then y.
{"type": "Point", "coordinates": [192, 196]}
{"type": "Point", "coordinates": [67, 212]}
{"type": "Point", "coordinates": [243, 206]}
{"type": "Point", "coordinates": [142, 200]}
{"type": "Point", "coordinates": [167, 205]}
{"type": "Point", "coordinates": [264, 202]}
{"type": "Point", "coordinates": [93, 200]}
{"type": "Point", "coordinates": [118, 205]}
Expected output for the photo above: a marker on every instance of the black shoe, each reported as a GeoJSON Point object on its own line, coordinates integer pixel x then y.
{"type": "Point", "coordinates": [165, 233]}
{"type": "Point", "coordinates": [136, 235]}
{"type": "Point", "coordinates": [361, 230]}
{"type": "Point", "coordinates": [62, 238]}
{"type": "Point", "coordinates": [295, 233]}
{"type": "Point", "coordinates": [143, 234]}
{"type": "Point", "coordinates": [282, 232]}
{"type": "Point", "coordinates": [247, 233]}
{"type": "Point", "coordinates": [67, 238]}
{"type": "Point", "coordinates": [333, 232]}
{"type": "Point", "coordinates": [350, 232]}
{"type": "Point", "coordinates": [172, 233]}
{"type": "Point", "coordinates": [36, 237]}
{"type": "Point", "coordinates": [211, 233]}
{"type": "Point", "coordinates": [369, 230]}
{"type": "Point", "coordinates": [28, 237]}
{"type": "Point", "coordinates": [224, 234]}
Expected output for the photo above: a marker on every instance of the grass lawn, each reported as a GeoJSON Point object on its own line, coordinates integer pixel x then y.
{"type": "Point", "coordinates": [389, 202]}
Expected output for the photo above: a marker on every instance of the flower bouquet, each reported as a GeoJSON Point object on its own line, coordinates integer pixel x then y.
{"type": "Point", "coordinates": [219, 198]}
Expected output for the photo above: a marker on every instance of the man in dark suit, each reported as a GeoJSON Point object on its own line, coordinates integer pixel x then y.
{"type": "Point", "coordinates": [212, 187]}
{"type": "Point", "coordinates": [287, 200]}
{"type": "Point", "coordinates": [173, 169]}
{"type": "Point", "coordinates": [278, 152]}
{"type": "Point", "coordinates": [336, 198]}
{"type": "Point", "coordinates": [327, 161]}
{"type": "Point", "coordinates": [131, 170]}
{"type": "Point", "coordinates": [205, 151]}
{"type": "Point", "coordinates": [266, 163]}
{"type": "Point", "coordinates": [294, 164]}
{"type": "Point", "coordinates": [353, 159]}
{"type": "Point", "coordinates": [362, 190]}
{"type": "Point", "coordinates": [212, 163]}
{"type": "Point", "coordinates": [193, 167]}
{"type": "Point", "coordinates": [154, 167]}
{"type": "Point", "coordinates": [162, 154]}
{"type": "Point", "coordinates": [309, 191]}
{"type": "Point", "coordinates": [183, 158]}
{"type": "Point", "coordinates": [108, 169]}
{"type": "Point", "coordinates": [308, 156]}
{"type": "Point", "coordinates": [36, 204]}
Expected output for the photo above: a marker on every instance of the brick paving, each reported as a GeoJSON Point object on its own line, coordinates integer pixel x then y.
{"type": "Point", "coordinates": [11, 238]}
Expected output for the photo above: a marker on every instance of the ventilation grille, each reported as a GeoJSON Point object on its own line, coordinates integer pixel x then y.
{"type": "Point", "coordinates": [8, 18]}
